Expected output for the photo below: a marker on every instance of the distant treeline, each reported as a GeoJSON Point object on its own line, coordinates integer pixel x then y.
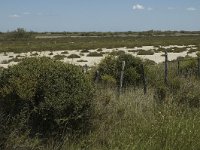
{"type": "Point", "coordinates": [20, 32]}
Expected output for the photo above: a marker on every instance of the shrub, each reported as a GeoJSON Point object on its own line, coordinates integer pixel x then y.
{"type": "Point", "coordinates": [94, 54]}
{"type": "Point", "coordinates": [58, 96]}
{"type": "Point", "coordinates": [85, 51]}
{"type": "Point", "coordinates": [51, 53]}
{"type": "Point", "coordinates": [144, 52]}
{"type": "Point", "coordinates": [99, 50]}
{"type": "Point", "coordinates": [73, 56]}
{"type": "Point", "coordinates": [192, 50]}
{"type": "Point", "coordinates": [112, 66]}
{"type": "Point", "coordinates": [117, 53]}
{"type": "Point", "coordinates": [179, 50]}
{"type": "Point", "coordinates": [59, 57]}
{"type": "Point", "coordinates": [108, 81]}
{"type": "Point", "coordinates": [81, 60]}
{"type": "Point", "coordinates": [188, 65]}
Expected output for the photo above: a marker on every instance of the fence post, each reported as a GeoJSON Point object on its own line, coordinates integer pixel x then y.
{"type": "Point", "coordinates": [144, 79]}
{"type": "Point", "coordinates": [198, 66]}
{"type": "Point", "coordinates": [122, 76]}
{"type": "Point", "coordinates": [178, 67]}
{"type": "Point", "coordinates": [166, 67]}
{"type": "Point", "coordinates": [85, 68]}
{"type": "Point", "coordinates": [96, 79]}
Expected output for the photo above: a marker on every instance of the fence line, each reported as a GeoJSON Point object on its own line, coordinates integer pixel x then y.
{"type": "Point", "coordinates": [196, 71]}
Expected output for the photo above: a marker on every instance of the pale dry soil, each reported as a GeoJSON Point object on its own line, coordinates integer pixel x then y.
{"type": "Point", "coordinates": [6, 58]}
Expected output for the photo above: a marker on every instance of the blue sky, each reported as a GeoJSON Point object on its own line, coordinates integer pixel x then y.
{"type": "Point", "coordinates": [100, 15]}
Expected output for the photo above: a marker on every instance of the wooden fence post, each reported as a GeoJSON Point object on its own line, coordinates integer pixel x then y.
{"type": "Point", "coordinates": [122, 76]}
{"type": "Point", "coordinates": [198, 66]}
{"type": "Point", "coordinates": [85, 68]}
{"type": "Point", "coordinates": [166, 67]}
{"type": "Point", "coordinates": [144, 79]}
{"type": "Point", "coordinates": [178, 67]}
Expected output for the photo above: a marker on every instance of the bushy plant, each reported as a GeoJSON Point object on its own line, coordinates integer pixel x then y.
{"type": "Point", "coordinates": [108, 80]}
{"type": "Point", "coordinates": [117, 53]}
{"type": "Point", "coordinates": [95, 54]}
{"type": "Point", "coordinates": [73, 56]}
{"type": "Point", "coordinates": [59, 57]}
{"type": "Point", "coordinates": [144, 52]}
{"type": "Point", "coordinates": [113, 65]}
{"type": "Point", "coordinates": [57, 96]}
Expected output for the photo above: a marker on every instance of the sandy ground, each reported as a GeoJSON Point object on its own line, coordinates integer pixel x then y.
{"type": "Point", "coordinates": [91, 61]}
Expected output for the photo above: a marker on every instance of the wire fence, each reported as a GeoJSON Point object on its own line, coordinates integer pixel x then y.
{"type": "Point", "coordinates": [183, 67]}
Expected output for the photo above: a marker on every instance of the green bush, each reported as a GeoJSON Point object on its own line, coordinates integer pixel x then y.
{"type": "Point", "coordinates": [108, 81]}
{"type": "Point", "coordinates": [188, 66]}
{"type": "Point", "coordinates": [144, 52]}
{"type": "Point", "coordinates": [85, 51]}
{"type": "Point", "coordinates": [112, 66]}
{"type": "Point", "coordinates": [94, 54]}
{"type": "Point", "coordinates": [57, 96]}
{"type": "Point", "coordinates": [73, 56]}
{"type": "Point", "coordinates": [117, 53]}
{"type": "Point", "coordinates": [59, 57]}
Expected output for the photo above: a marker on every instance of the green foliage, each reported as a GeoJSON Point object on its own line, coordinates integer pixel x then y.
{"type": "Point", "coordinates": [179, 50]}
{"type": "Point", "coordinates": [65, 52]}
{"type": "Point", "coordinates": [81, 60]}
{"type": "Point", "coordinates": [74, 43]}
{"type": "Point", "coordinates": [189, 94]}
{"type": "Point", "coordinates": [95, 54]}
{"type": "Point", "coordinates": [117, 53]}
{"type": "Point", "coordinates": [160, 93]}
{"type": "Point", "coordinates": [73, 56]}
{"type": "Point", "coordinates": [58, 96]}
{"type": "Point", "coordinates": [99, 50]}
{"type": "Point", "coordinates": [112, 66]}
{"type": "Point", "coordinates": [188, 65]}
{"type": "Point", "coordinates": [175, 84]}
{"type": "Point", "coordinates": [59, 57]}
{"type": "Point", "coordinates": [108, 81]}
{"type": "Point", "coordinates": [145, 52]}
{"type": "Point", "coordinates": [85, 51]}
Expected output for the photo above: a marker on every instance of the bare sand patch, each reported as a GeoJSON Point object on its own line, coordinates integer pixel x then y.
{"type": "Point", "coordinates": [91, 61]}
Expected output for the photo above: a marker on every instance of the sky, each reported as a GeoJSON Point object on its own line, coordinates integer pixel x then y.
{"type": "Point", "coordinates": [99, 15]}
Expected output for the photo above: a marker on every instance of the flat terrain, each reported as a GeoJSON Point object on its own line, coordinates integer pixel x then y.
{"type": "Point", "coordinates": [90, 48]}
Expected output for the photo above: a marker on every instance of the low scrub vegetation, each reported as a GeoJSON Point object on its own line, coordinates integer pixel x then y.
{"type": "Point", "coordinates": [145, 52]}
{"type": "Point", "coordinates": [117, 52]}
{"type": "Point", "coordinates": [59, 57]}
{"type": "Point", "coordinates": [73, 56]}
{"type": "Point", "coordinates": [45, 98]}
{"type": "Point", "coordinates": [85, 51]}
{"type": "Point", "coordinates": [65, 52]}
{"type": "Point", "coordinates": [95, 54]}
{"type": "Point", "coordinates": [46, 104]}
{"type": "Point", "coordinates": [112, 66]}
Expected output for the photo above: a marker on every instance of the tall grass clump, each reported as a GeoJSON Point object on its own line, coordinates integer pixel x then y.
{"type": "Point", "coordinates": [135, 121]}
